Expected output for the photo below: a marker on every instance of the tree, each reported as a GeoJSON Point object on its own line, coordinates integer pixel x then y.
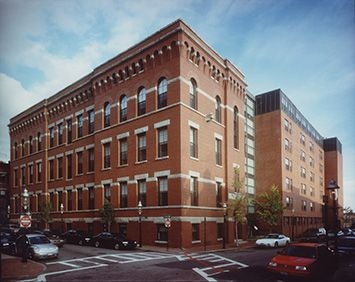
{"type": "Point", "coordinates": [107, 214]}
{"type": "Point", "coordinates": [45, 213]}
{"type": "Point", "coordinates": [269, 207]}
{"type": "Point", "coordinates": [347, 216]}
{"type": "Point", "coordinates": [237, 204]}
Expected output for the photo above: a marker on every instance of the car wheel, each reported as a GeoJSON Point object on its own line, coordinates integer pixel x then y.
{"type": "Point", "coordinates": [116, 246]}
{"type": "Point", "coordinates": [97, 244]}
{"type": "Point", "coordinates": [276, 245]}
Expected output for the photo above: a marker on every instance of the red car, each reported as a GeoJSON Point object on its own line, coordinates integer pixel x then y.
{"type": "Point", "coordinates": [303, 259]}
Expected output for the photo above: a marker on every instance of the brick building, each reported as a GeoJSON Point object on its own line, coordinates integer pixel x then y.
{"type": "Point", "coordinates": [161, 123]}
{"type": "Point", "coordinates": [292, 155]}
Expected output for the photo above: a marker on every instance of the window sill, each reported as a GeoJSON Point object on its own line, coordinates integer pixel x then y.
{"type": "Point", "coordinates": [141, 162]}
{"type": "Point", "coordinates": [196, 242]}
{"type": "Point", "coordinates": [162, 158]}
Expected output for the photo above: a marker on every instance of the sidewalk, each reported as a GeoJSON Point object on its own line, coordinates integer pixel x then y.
{"type": "Point", "coordinates": [13, 269]}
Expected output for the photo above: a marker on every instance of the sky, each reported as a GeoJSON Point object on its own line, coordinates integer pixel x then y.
{"type": "Point", "coordinates": [305, 48]}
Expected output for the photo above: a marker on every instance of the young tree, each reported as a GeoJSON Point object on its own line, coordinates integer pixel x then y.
{"type": "Point", "coordinates": [269, 207]}
{"type": "Point", "coordinates": [237, 203]}
{"type": "Point", "coordinates": [44, 214]}
{"type": "Point", "coordinates": [107, 214]}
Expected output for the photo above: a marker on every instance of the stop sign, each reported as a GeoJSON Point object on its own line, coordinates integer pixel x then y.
{"type": "Point", "coordinates": [25, 221]}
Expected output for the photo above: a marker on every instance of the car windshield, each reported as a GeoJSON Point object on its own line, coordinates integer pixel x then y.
{"type": "Point", "coordinates": [39, 240]}
{"type": "Point", "coordinates": [300, 251]}
{"type": "Point", "coordinates": [272, 236]}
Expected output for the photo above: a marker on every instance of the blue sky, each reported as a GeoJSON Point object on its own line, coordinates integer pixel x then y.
{"type": "Point", "coordinates": [306, 48]}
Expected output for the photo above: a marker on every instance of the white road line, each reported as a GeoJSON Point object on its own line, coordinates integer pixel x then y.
{"type": "Point", "coordinates": [69, 264]}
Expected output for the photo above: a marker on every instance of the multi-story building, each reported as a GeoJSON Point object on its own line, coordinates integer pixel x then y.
{"type": "Point", "coordinates": [292, 155]}
{"type": "Point", "coordinates": [161, 123]}
{"type": "Point", "coordinates": [4, 193]}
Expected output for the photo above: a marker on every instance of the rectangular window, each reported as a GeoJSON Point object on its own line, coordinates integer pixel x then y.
{"type": "Point", "coordinates": [195, 232]}
{"type": "Point", "coordinates": [163, 191]}
{"type": "Point", "coordinates": [60, 199]}
{"type": "Point", "coordinates": [69, 167]}
{"type": "Point", "coordinates": [39, 172]}
{"type": "Point", "coordinates": [39, 142]}
{"type": "Point", "coordinates": [91, 125]}
{"type": "Point", "coordinates": [51, 137]}
{"type": "Point", "coordinates": [91, 160]}
{"type": "Point", "coordinates": [218, 194]}
{"type": "Point", "coordinates": [79, 120]}
{"type": "Point", "coordinates": [60, 167]}
{"type": "Point", "coordinates": [60, 133]}
{"type": "Point", "coordinates": [218, 151]}
{"type": "Point", "coordinates": [123, 151]}
{"type": "Point", "coordinates": [69, 131]}
{"type": "Point", "coordinates": [107, 192]}
{"type": "Point", "coordinates": [142, 147]}
{"type": "Point", "coordinates": [69, 199]}
{"type": "Point", "coordinates": [162, 142]}
{"type": "Point", "coordinates": [142, 192]}
{"type": "Point", "coordinates": [91, 198]}
{"type": "Point", "coordinates": [23, 175]}
{"type": "Point", "coordinates": [123, 194]}
{"type": "Point", "coordinates": [79, 162]}
{"type": "Point", "coordinates": [51, 169]}
{"type": "Point", "coordinates": [80, 198]}
{"type": "Point", "coordinates": [107, 154]}
{"type": "Point", "coordinates": [15, 177]}
{"type": "Point", "coordinates": [193, 191]}
{"type": "Point", "coordinates": [220, 230]}
{"type": "Point", "coordinates": [30, 168]}
{"type": "Point", "coordinates": [193, 143]}
{"type": "Point", "coordinates": [162, 233]}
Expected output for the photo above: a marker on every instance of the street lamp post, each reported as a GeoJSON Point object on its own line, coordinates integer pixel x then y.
{"type": "Point", "coordinates": [140, 222]}
{"type": "Point", "coordinates": [332, 187]}
{"type": "Point", "coordinates": [61, 215]}
{"type": "Point", "coordinates": [293, 224]}
{"type": "Point", "coordinates": [25, 197]}
{"type": "Point", "coordinates": [224, 224]}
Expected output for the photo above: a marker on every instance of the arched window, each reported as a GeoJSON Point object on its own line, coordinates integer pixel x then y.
{"type": "Point", "coordinates": [218, 112]}
{"type": "Point", "coordinates": [162, 93]}
{"type": "Point", "coordinates": [236, 128]}
{"type": "Point", "coordinates": [107, 114]}
{"type": "Point", "coordinates": [31, 145]}
{"type": "Point", "coordinates": [123, 108]}
{"type": "Point", "coordinates": [16, 150]}
{"type": "Point", "coordinates": [141, 106]}
{"type": "Point", "coordinates": [22, 147]}
{"type": "Point", "coordinates": [193, 94]}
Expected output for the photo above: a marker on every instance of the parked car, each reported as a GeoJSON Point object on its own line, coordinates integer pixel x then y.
{"type": "Point", "coordinates": [314, 235]}
{"type": "Point", "coordinates": [346, 232]}
{"type": "Point", "coordinates": [346, 245]}
{"type": "Point", "coordinates": [7, 243]}
{"type": "Point", "coordinates": [303, 259]}
{"type": "Point", "coordinates": [55, 239]}
{"type": "Point", "coordinates": [113, 241]}
{"type": "Point", "coordinates": [40, 247]}
{"type": "Point", "coordinates": [273, 240]}
{"type": "Point", "coordinates": [77, 237]}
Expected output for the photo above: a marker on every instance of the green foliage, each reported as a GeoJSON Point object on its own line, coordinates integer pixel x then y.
{"type": "Point", "coordinates": [237, 205]}
{"type": "Point", "coordinates": [107, 214]}
{"type": "Point", "coordinates": [269, 206]}
{"type": "Point", "coordinates": [45, 210]}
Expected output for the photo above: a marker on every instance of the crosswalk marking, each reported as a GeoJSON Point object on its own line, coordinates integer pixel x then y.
{"type": "Point", "coordinates": [210, 264]}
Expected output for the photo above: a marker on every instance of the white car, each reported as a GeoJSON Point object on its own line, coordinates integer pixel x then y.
{"type": "Point", "coordinates": [273, 240]}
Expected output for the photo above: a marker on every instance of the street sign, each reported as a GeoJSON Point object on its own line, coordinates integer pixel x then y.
{"type": "Point", "coordinates": [167, 221]}
{"type": "Point", "coordinates": [25, 221]}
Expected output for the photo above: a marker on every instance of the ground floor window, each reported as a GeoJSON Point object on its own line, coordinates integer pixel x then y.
{"type": "Point", "coordinates": [220, 230]}
{"type": "Point", "coordinates": [162, 233]}
{"type": "Point", "coordinates": [195, 232]}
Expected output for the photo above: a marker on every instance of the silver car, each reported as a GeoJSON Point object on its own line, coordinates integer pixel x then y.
{"type": "Point", "coordinates": [39, 247]}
